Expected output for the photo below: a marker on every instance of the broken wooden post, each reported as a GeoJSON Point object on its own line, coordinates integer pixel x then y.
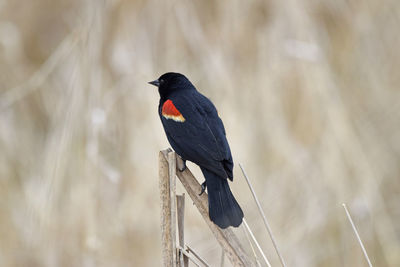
{"type": "Point", "coordinates": [168, 225]}
{"type": "Point", "coordinates": [172, 194]}
{"type": "Point", "coordinates": [180, 203]}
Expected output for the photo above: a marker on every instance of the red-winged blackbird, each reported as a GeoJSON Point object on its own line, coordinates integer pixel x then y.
{"type": "Point", "coordinates": [197, 134]}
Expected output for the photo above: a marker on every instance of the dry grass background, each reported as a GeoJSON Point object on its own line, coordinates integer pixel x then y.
{"type": "Point", "coordinates": [308, 91]}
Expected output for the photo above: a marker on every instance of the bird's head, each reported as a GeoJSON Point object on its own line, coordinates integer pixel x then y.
{"type": "Point", "coordinates": [171, 82]}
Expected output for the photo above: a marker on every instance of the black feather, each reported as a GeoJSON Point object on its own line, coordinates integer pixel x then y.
{"type": "Point", "coordinates": [223, 208]}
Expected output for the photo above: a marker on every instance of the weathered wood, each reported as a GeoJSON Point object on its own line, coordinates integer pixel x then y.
{"type": "Point", "coordinates": [168, 242]}
{"type": "Point", "coordinates": [180, 204]}
{"type": "Point", "coordinates": [172, 197]}
{"type": "Point", "coordinates": [226, 238]}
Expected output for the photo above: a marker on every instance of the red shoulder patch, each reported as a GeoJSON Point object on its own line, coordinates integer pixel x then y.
{"type": "Point", "coordinates": [169, 111]}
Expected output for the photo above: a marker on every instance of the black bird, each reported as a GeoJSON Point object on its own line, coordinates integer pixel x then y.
{"type": "Point", "coordinates": [197, 134]}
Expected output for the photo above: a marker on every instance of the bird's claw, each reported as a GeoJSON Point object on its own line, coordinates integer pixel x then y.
{"type": "Point", "coordinates": [203, 188]}
{"type": "Point", "coordinates": [183, 167]}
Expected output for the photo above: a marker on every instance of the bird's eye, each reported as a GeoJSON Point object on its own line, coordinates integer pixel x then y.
{"type": "Point", "coordinates": [161, 81]}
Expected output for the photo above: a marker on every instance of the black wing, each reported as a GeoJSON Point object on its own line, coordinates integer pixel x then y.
{"type": "Point", "coordinates": [201, 137]}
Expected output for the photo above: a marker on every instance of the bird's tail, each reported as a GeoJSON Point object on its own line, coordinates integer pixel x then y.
{"type": "Point", "coordinates": [223, 208]}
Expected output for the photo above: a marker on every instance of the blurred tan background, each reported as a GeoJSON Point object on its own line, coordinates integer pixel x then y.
{"type": "Point", "coordinates": [308, 91]}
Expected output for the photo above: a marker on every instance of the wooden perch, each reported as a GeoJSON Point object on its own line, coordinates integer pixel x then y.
{"type": "Point", "coordinates": [167, 220]}
{"type": "Point", "coordinates": [180, 204]}
{"type": "Point", "coordinates": [225, 237]}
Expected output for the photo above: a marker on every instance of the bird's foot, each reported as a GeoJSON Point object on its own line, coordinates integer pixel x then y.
{"type": "Point", "coordinates": [182, 164]}
{"type": "Point", "coordinates": [203, 188]}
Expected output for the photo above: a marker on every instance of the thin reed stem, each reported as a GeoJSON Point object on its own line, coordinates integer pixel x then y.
{"type": "Point", "coordinates": [263, 216]}
{"type": "Point", "coordinates": [255, 242]}
{"type": "Point", "coordinates": [251, 246]}
{"type": "Point", "coordinates": [357, 235]}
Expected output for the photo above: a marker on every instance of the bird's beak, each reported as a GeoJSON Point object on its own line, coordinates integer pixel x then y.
{"type": "Point", "coordinates": [155, 83]}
